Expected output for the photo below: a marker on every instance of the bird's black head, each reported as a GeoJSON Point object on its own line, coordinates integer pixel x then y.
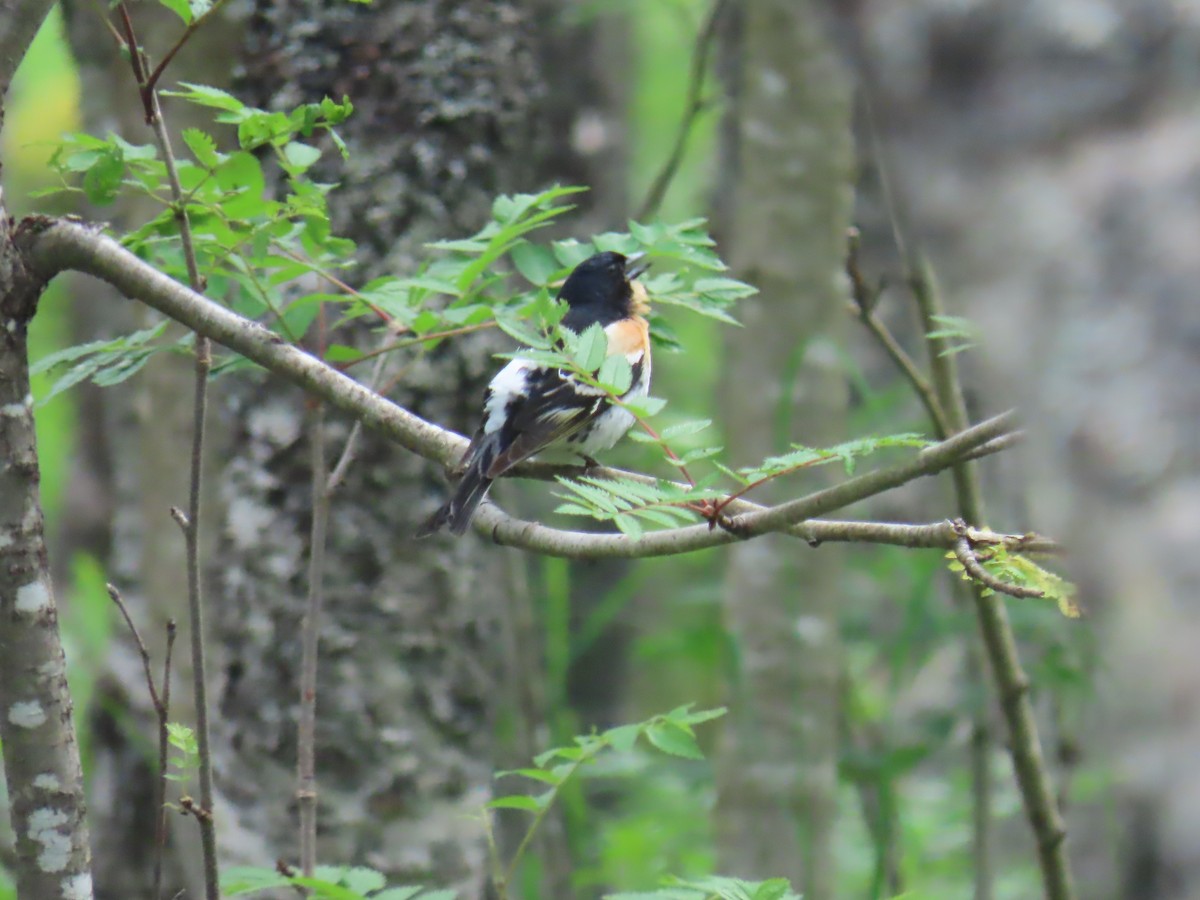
{"type": "Point", "coordinates": [599, 290]}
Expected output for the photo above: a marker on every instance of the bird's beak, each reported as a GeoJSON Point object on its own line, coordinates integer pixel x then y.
{"type": "Point", "coordinates": [636, 264]}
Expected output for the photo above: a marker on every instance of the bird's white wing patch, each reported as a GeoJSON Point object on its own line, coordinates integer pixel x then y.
{"type": "Point", "coordinates": [511, 381]}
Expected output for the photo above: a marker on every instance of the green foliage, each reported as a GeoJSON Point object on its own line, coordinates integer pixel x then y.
{"type": "Point", "coordinates": [672, 733]}
{"type": "Point", "coordinates": [959, 333]}
{"type": "Point", "coordinates": [188, 10]}
{"type": "Point", "coordinates": [254, 249]}
{"type": "Point", "coordinates": [1021, 571]}
{"type": "Point", "coordinates": [848, 453]}
{"type": "Point", "coordinates": [186, 761]}
{"type": "Point", "coordinates": [715, 887]}
{"type": "Point", "coordinates": [327, 883]}
{"type": "Point", "coordinates": [627, 503]}
{"type": "Point", "coordinates": [103, 362]}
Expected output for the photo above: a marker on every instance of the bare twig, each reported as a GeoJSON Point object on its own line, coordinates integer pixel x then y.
{"type": "Point", "coordinates": [866, 299]}
{"type": "Point", "coordinates": [342, 466]}
{"type": "Point", "coordinates": [191, 523]}
{"type": "Point", "coordinates": [115, 596]}
{"type": "Point", "coordinates": [160, 828]}
{"type": "Point", "coordinates": [306, 791]}
{"type": "Point", "coordinates": [161, 701]}
{"type": "Point", "coordinates": [694, 106]}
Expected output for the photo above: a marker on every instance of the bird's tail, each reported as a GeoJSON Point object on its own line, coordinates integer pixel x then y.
{"type": "Point", "coordinates": [458, 511]}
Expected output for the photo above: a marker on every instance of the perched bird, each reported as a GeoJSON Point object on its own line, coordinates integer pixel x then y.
{"type": "Point", "coordinates": [529, 407]}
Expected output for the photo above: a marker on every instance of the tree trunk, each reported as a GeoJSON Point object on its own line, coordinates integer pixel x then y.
{"type": "Point", "coordinates": [452, 106]}
{"type": "Point", "coordinates": [42, 771]}
{"type": "Point", "coordinates": [41, 755]}
{"type": "Point", "coordinates": [786, 220]}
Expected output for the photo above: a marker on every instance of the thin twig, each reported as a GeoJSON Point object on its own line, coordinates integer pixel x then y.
{"type": "Point", "coordinates": [411, 342]}
{"type": "Point", "coordinates": [342, 466]}
{"type": "Point", "coordinates": [190, 523]}
{"type": "Point", "coordinates": [152, 79]}
{"type": "Point", "coordinates": [981, 770]}
{"type": "Point", "coordinates": [306, 790]}
{"type": "Point", "coordinates": [499, 882]}
{"type": "Point", "coordinates": [162, 705]}
{"type": "Point", "coordinates": [1001, 443]}
{"type": "Point", "coordinates": [694, 106]}
{"type": "Point", "coordinates": [160, 825]}
{"type": "Point", "coordinates": [115, 596]}
{"type": "Point", "coordinates": [866, 299]}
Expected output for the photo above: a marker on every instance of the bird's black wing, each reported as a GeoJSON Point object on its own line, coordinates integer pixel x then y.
{"type": "Point", "coordinates": [552, 408]}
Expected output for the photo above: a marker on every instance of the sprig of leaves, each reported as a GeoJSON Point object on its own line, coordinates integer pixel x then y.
{"type": "Point", "coordinates": [672, 733]}
{"type": "Point", "coordinates": [103, 362]}
{"type": "Point", "coordinates": [327, 883]}
{"type": "Point", "coordinates": [186, 761]}
{"type": "Point", "coordinates": [1021, 571]}
{"type": "Point", "coordinates": [714, 887]}
{"type": "Point", "coordinates": [959, 333]}
{"type": "Point", "coordinates": [627, 503]}
{"type": "Point", "coordinates": [848, 453]}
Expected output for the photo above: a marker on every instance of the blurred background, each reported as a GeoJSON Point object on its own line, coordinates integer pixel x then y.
{"type": "Point", "coordinates": [1044, 156]}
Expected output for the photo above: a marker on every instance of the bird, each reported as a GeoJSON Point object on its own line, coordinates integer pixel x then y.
{"type": "Point", "coordinates": [529, 407]}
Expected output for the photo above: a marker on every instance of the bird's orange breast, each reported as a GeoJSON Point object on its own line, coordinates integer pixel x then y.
{"type": "Point", "coordinates": [629, 336]}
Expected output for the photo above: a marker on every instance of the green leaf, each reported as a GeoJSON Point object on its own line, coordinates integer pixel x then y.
{"type": "Point", "coordinates": [623, 737]}
{"type": "Point", "coordinates": [181, 8]}
{"type": "Point", "coordinates": [521, 801]}
{"type": "Point", "coordinates": [102, 181]}
{"type": "Point", "coordinates": [671, 738]}
{"type": "Point", "coordinates": [326, 890]}
{"type": "Point", "coordinates": [592, 347]}
{"type": "Point", "coordinates": [203, 147]}
{"type": "Point", "coordinates": [615, 375]}
{"type": "Point", "coordinates": [546, 776]}
{"type": "Point", "coordinates": [182, 737]}
{"type": "Point", "coordinates": [535, 263]}
{"type": "Point", "coordinates": [203, 95]}
{"type": "Point", "coordinates": [247, 879]}
{"type": "Point", "coordinates": [628, 526]}
{"type": "Point", "coordinates": [399, 893]}
{"type": "Point", "coordinates": [685, 429]}
{"type": "Point", "coordinates": [695, 455]}
{"type": "Point", "coordinates": [241, 177]}
{"type": "Point", "coordinates": [684, 714]}
{"type": "Point", "coordinates": [644, 407]}
{"type": "Point", "coordinates": [363, 880]}
{"type": "Point", "coordinates": [300, 157]}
